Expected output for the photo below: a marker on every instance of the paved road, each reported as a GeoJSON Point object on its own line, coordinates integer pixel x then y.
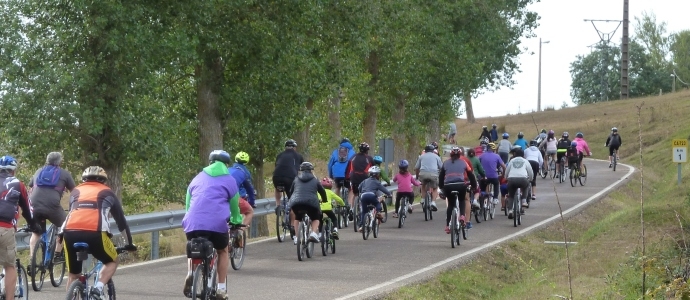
{"type": "Point", "coordinates": [271, 269]}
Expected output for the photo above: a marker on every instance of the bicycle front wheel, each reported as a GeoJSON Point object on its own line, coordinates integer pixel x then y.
{"type": "Point", "coordinates": [237, 258]}
{"type": "Point", "coordinates": [110, 290]}
{"type": "Point", "coordinates": [583, 175]}
{"type": "Point", "coordinates": [38, 272]}
{"type": "Point", "coordinates": [76, 291]}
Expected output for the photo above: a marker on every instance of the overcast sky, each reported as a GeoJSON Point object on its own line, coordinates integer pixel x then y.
{"type": "Point", "coordinates": [562, 25]}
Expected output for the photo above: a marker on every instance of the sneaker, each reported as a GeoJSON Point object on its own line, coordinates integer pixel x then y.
{"type": "Point", "coordinates": [313, 237]}
{"type": "Point", "coordinates": [334, 234]}
{"type": "Point", "coordinates": [360, 229]}
{"type": "Point", "coordinates": [468, 225]}
{"type": "Point", "coordinates": [221, 294]}
{"type": "Point", "coordinates": [510, 214]}
{"type": "Point", "coordinates": [294, 240]}
{"type": "Point", "coordinates": [525, 204]}
{"type": "Point", "coordinates": [475, 203]}
{"type": "Point", "coordinates": [59, 257]}
{"type": "Point", "coordinates": [350, 216]}
{"type": "Point", "coordinates": [534, 197]}
{"type": "Point", "coordinates": [409, 208]}
{"type": "Point", "coordinates": [95, 293]}
{"type": "Point", "coordinates": [433, 206]}
{"type": "Point", "coordinates": [395, 215]}
{"type": "Point", "coordinates": [495, 201]}
{"type": "Point", "coordinates": [447, 229]}
{"type": "Point", "coordinates": [187, 290]}
{"type": "Point", "coordinates": [503, 209]}
{"type": "Point", "coordinates": [610, 165]}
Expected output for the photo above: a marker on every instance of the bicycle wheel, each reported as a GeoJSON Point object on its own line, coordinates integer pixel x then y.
{"type": "Point", "coordinates": [310, 245]}
{"type": "Point", "coordinates": [76, 291]}
{"type": "Point", "coordinates": [476, 212]}
{"type": "Point", "coordinates": [426, 208]}
{"type": "Point", "coordinates": [375, 227]}
{"type": "Point", "coordinates": [355, 211]}
{"type": "Point", "coordinates": [280, 229]}
{"type": "Point", "coordinates": [110, 289]}
{"type": "Point", "coordinates": [492, 209]}
{"type": "Point", "coordinates": [300, 243]}
{"type": "Point", "coordinates": [485, 207]}
{"type": "Point", "coordinates": [573, 177]}
{"type": "Point", "coordinates": [22, 283]}
{"type": "Point", "coordinates": [453, 228]}
{"type": "Point", "coordinates": [366, 226]}
{"type": "Point", "coordinates": [542, 171]}
{"type": "Point", "coordinates": [463, 229]}
{"type": "Point", "coordinates": [324, 238]}
{"type": "Point", "coordinates": [562, 171]}
{"type": "Point", "coordinates": [401, 212]}
{"type": "Point", "coordinates": [38, 272]}
{"type": "Point", "coordinates": [199, 282]}
{"type": "Point", "coordinates": [56, 271]}
{"type": "Point", "coordinates": [332, 242]}
{"type": "Point", "coordinates": [615, 160]}
{"type": "Point", "coordinates": [237, 258]}
{"type": "Point", "coordinates": [583, 175]}
{"type": "Point", "coordinates": [384, 211]}
{"type": "Point", "coordinates": [516, 209]}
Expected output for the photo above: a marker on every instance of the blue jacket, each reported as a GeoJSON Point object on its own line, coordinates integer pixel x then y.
{"type": "Point", "coordinates": [335, 168]}
{"type": "Point", "coordinates": [244, 181]}
{"type": "Point", "coordinates": [494, 135]}
{"type": "Point", "coordinates": [521, 142]}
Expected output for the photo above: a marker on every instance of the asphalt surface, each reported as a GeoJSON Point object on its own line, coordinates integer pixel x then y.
{"type": "Point", "coordinates": [397, 257]}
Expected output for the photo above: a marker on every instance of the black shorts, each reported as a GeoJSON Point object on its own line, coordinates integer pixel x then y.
{"type": "Point", "coordinates": [220, 240]}
{"type": "Point", "coordinates": [341, 181]}
{"type": "Point", "coordinates": [313, 212]}
{"type": "Point", "coordinates": [100, 246]}
{"type": "Point", "coordinates": [56, 217]}
{"type": "Point", "coordinates": [282, 183]}
{"type": "Point", "coordinates": [355, 181]}
{"type": "Point", "coordinates": [611, 148]}
{"type": "Point", "coordinates": [535, 171]}
{"type": "Point", "coordinates": [559, 155]}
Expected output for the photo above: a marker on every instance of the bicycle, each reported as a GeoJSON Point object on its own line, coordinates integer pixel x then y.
{"type": "Point", "coordinates": [576, 174]}
{"type": "Point", "coordinates": [457, 223]}
{"type": "Point", "coordinates": [281, 215]}
{"type": "Point", "coordinates": [488, 208]}
{"type": "Point", "coordinates": [205, 265]}
{"type": "Point", "coordinates": [355, 212]}
{"type": "Point", "coordinates": [384, 208]}
{"type": "Point", "coordinates": [304, 246]}
{"type": "Point", "coordinates": [560, 173]}
{"type": "Point", "coordinates": [426, 206]}
{"type": "Point", "coordinates": [327, 240]}
{"type": "Point", "coordinates": [402, 211]}
{"type": "Point", "coordinates": [341, 212]}
{"type": "Point", "coordinates": [21, 290]}
{"type": "Point", "coordinates": [614, 159]}
{"type": "Point", "coordinates": [237, 245]}
{"type": "Point", "coordinates": [43, 260]}
{"type": "Point", "coordinates": [476, 211]}
{"type": "Point", "coordinates": [79, 289]}
{"type": "Point", "coordinates": [371, 223]}
{"type": "Point", "coordinates": [517, 207]}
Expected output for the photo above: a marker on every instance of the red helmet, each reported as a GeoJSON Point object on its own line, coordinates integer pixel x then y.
{"type": "Point", "coordinates": [327, 183]}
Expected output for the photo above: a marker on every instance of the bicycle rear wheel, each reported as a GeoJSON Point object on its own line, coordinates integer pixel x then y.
{"type": "Point", "coordinates": [325, 230]}
{"type": "Point", "coordinates": [366, 226]}
{"type": "Point", "coordinates": [583, 175]}
{"type": "Point", "coordinates": [301, 240]}
{"type": "Point", "coordinates": [56, 271]}
{"type": "Point", "coordinates": [615, 160]}
{"type": "Point", "coordinates": [375, 227]}
{"type": "Point", "coordinates": [310, 245]}
{"type": "Point", "coordinates": [384, 211]}
{"type": "Point", "coordinates": [485, 207]}
{"type": "Point", "coordinates": [110, 289]}
{"type": "Point", "coordinates": [516, 209]}
{"type": "Point", "coordinates": [402, 210]}
{"type": "Point", "coordinates": [355, 211]}
{"type": "Point", "coordinates": [237, 257]}
{"type": "Point", "coordinates": [426, 207]}
{"type": "Point", "coordinates": [280, 229]}
{"type": "Point", "coordinates": [38, 272]}
{"type": "Point", "coordinates": [76, 291]}
{"type": "Point", "coordinates": [200, 281]}
{"type": "Point", "coordinates": [573, 177]}
{"type": "Point", "coordinates": [453, 228]}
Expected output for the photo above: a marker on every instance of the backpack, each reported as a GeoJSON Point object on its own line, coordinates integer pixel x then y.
{"type": "Point", "coordinates": [342, 154]}
{"type": "Point", "coordinates": [48, 177]}
{"type": "Point", "coordinates": [563, 144]}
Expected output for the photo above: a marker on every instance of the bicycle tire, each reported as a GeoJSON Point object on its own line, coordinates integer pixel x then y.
{"type": "Point", "coordinates": [76, 291]}
{"type": "Point", "coordinates": [542, 172]}
{"type": "Point", "coordinates": [615, 160]}
{"type": "Point", "coordinates": [583, 179]}
{"type": "Point", "coordinates": [375, 227]}
{"type": "Point", "coordinates": [237, 258]}
{"type": "Point", "coordinates": [279, 225]}
{"type": "Point", "coordinates": [426, 207]}
{"type": "Point", "coordinates": [485, 207]}
{"type": "Point", "coordinates": [300, 243]}
{"type": "Point", "coordinates": [492, 209]}
{"type": "Point", "coordinates": [111, 289]}
{"type": "Point", "coordinates": [324, 238]}
{"type": "Point", "coordinates": [476, 212]}
{"type": "Point", "coordinates": [199, 282]}
{"type": "Point", "coordinates": [55, 281]}
{"type": "Point", "coordinates": [516, 209]}
{"type": "Point", "coordinates": [37, 265]}
{"type": "Point", "coordinates": [310, 245]}
{"type": "Point", "coordinates": [355, 211]}
{"type": "Point", "coordinates": [332, 241]}
{"type": "Point", "coordinates": [384, 211]}
{"type": "Point", "coordinates": [573, 177]}
{"type": "Point", "coordinates": [366, 227]}
{"type": "Point", "coordinates": [453, 228]}
{"type": "Point", "coordinates": [22, 283]}
{"type": "Point", "coordinates": [463, 229]}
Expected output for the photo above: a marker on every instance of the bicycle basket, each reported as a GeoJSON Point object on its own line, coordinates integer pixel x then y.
{"type": "Point", "coordinates": [199, 248]}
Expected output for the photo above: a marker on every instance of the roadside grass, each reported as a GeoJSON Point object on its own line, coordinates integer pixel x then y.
{"type": "Point", "coordinates": [606, 262]}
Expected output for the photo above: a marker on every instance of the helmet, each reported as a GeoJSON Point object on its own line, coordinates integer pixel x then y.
{"type": "Point", "coordinates": [614, 129]}
{"type": "Point", "coordinates": [565, 134]}
{"type": "Point", "coordinates": [374, 171]}
{"type": "Point", "coordinates": [242, 157]}
{"type": "Point", "coordinates": [378, 159]}
{"type": "Point", "coordinates": [306, 166]}
{"type": "Point", "coordinates": [345, 140]}
{"type": "Point", "coordinates": [290, 143]}
{"type": "Point", "coordinates": [97, 173]}
{"type": "Point", "coordinates": [521, 135]}
{"type": "Point", "coordinates": [515, 148]}
{"type": "Point", "coordinates": [219, 155]}
{"type": "Point", "coordinates": [363, 147]}
{"type": "Point", "coordinates": [8, 163]}
{"type": "Point", "coordinates": [493, 125]}
{"type": "Point", "coordinates": [533, 143]}
{"type": "Point", "coordinates": [518, 153]}
{"type": "Point", "coordinates": [429, 148]}
{"type": "Point", "coordinates": [455, 151]}
{"type": "Point", "coordinates": [435, 144]}
{"type": "Point", "coordinates": [543, 130]}
{"type": "Point", "coordinates": [580, 135]}
{"type": "Point", "coordinates": [506, 135]}
{"type": "Point", "coordinates": [403, 164]}
{"type": "Point", "coordinates": [492, 146]}
{"type": "Point", "coordinates": [551, 132]}
{"type": "Point", "coordinates": [483, 127]}
{"type": "Point", "coordinates": [573, 144]}
{"type": "Point", "coordinates": [327, 183]}
{"type": "Point", "coordinates": [483, 142]}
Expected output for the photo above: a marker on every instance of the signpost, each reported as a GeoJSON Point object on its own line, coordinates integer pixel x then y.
{"type": "Point", "coordinates": [680, 153]}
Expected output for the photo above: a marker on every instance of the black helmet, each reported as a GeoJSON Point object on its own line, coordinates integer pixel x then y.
{"type": "Point", "coordinates": [519, 153]}
{"type": "Point", "coordinates": [521, 135]}
{"type": "Point", "coordinates": [565, 134]}
{"type": "Point", "coordinates": [363, 147]}
{"type": "Point", "coordinates": [306, 166]}
{"type": "Point", "coordinates": [435, 144]}
{"type": "Point", "coordinates": [533, 143]}
{"type": "Point", "coordinates": [290, 143]}
{"type": "Point", "coordinates": [219, 155]}
{"type": "Point", "coordinates": [493, 126]}
{"type": "Point", "coordinates": [429, 148]}
{"type": "Point", "coordinates": [345, 140]}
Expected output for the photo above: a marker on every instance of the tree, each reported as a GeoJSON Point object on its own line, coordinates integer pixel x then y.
{"type": "Point", "coordinates": [654, 39]}
{"type": "Point", "coordinates": [680, 48]}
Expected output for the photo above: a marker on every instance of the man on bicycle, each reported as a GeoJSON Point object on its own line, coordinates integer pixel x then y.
{"type": "Point", "coordinates": [504, 147]}
{"type": "Point", "coordinates": [491, 162]}
{"type": "Point", "coordinates": [426, 170]}
{"type": "Point", "coordinates": [356, 172]}
{"type": "Point", "coordinates": [45, 199]}
{"type": "Point", "coordinates": [337, 165]}
{"type": "Point", "coordinates": [287, 166]}
{"type": "Point", "coordinates": [304, 200]}
{"type": "Point", "coordinates": [13, 194]}
{"type": "Point", "coordinates": [494, 133]}
{"type": "Point", "coordinates": [244, 180]}
{"type": "Point", "coordinates": [367, 190]}
{"type": "Point", "coordinates": [455, 173]}
{"type": "Point", "coordinates": [87, 222]}
{"type": "Point", "coordinates": [212, 200]}
{"type": "Point", "coordinates": [535, 159]}
{"type": "Point", "coordinates": [327, 206]}
{"type": "Point", "coordinates": [519, 174]}
{"type": "Point", "coordinates": [614, 142]}
{"type": "Point", "coordinates": [562, 145]}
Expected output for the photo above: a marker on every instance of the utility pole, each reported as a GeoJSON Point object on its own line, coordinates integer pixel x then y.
{"type": "Point", "coordinates": [624, 53]}
{"type": "Point", "coordinates": [605, 38]}
{"type": "Point", "coordinates": [539, 87]}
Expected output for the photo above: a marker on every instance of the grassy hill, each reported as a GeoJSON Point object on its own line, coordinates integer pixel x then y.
{"type": "Point", "coordinates": [607, 262]}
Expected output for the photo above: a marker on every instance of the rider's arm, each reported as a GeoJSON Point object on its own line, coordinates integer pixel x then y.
{"type": "Point", "coordinates": [384, 176]}
{"type": "Point", "coordinates": [250, 190]}
{"type": "Point", "coordinates": [235, 215]}
{"type": "Point", "coordinates": [347, 168]}
{"type": "Point", "coordinates": [24, 204]}
{"type": "Point", "coordinates": [507, 171]}
{"type": "Point", "coordinates": [118, 214]}
{"type": "Point", "coordinates": [383, 189]}
{"type": "Point", "coordinates": [414, 181]}
{"type": "Point", "coordinates": [529, 172]}
{"type": "Point", "coordinates": [322, 192]}
{"type": "Point", "coordinates": [608, 139]}
{"type": "Point", "coordinates": [331, 162]}
{"type": "Point", "coordinates": [441, 177]}
{"type": "Point", "coordinates": [473, 180]}
{"type": "Point", "coordinates": [334, 196]}
{"type": "Point", "coordinates": [69, 183]}
{"type": "Point", "coordinates": [418, 165]}
{"type": "Point", "coordinates": [620, 140]}
{"type": "Point", "coordinates": [480, 168]}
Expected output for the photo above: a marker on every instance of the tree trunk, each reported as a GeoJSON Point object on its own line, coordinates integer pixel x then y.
{"type": "Point", "coordinates": [209, 80]}
{"type": "Point", "coordinates": [433, 131]}
{"type": "Point", "coordinates": [468, 107]}
{"type": "Point", "coordinates": [257, 161]}
{"type": "Point", "coordinates": [413, 150]}
{"type": "Point", "coordinates": [114, 171]}
{"type": "Point", "coordinates": [399, 137]}
{"type": "Point", "coordinates": [334, 117]}
{"type": "Point", "coordinates": [369, 122]}
{"type": "Point", "coordinates": [302, 136]}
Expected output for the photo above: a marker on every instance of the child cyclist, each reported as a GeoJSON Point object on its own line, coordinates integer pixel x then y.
{"type": "Point", "coordinates": [327, 206]}
{"type": "Point", "coordinates": [572, 155]}
{"type": "Point", "coordinates": [378, 160]}
{"type": "Point", "coordinates": [367, 194]}
{"type": "Point", "coordinates": [405, 182]}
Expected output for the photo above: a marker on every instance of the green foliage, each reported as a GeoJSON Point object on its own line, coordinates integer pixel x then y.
{"type": "Point", "coordinates": [680, 48]}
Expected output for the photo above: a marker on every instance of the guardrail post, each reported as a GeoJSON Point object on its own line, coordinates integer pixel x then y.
{"type": "Point", "coordinates": [253, 231]}
{"type": "Point", "coordinates": [154, 245]}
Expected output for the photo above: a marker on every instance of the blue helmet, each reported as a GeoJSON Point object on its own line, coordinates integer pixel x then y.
{"type": "Point", "coordinates": [219, 155]}
{"type": "Point", "coordinates": [573, 144]}
{"type": "Point", "coordinates": [8, 163]}
{"type": "Point", "coordinates": [378, 159]}
{"type": "Point", "coordinates": [403, 164]}
{"type": "Point", "coordinates": [506, 135]}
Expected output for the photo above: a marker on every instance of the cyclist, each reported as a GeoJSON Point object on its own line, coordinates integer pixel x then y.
{"type": "Point", "coordinates": [519, 174]}
{"type": "Point", "coordinates": [13, 194]}
{"type": "Point", "coordinates": [245, 188]}
{"type": "Point", "coordinates": [494, 133]}
{"type": "Point", "coordinates": [452, 132]}
{"type": "Point", "coordinates": [521, 141]}
{"type": "Point", "coordinates": [45, 201]}
{"type": "Point", "coordinates": [561, 146]}
{"type": "Point", "coordinates": [478, 173]}
{"type": "Point", "coordinates": [327, 207]}
{"type": "Point", "coordinates": [87, 222]}
{"type": "Point", "coordinates": [614, 142]}
{"type": "Point", "coordinates": [378, 160]}
{"type": "Point", "coordinates": [541, 136]}
{"type": "Point", "coordinates": [356, 172]}
{"type": "Point", "coordinates": [535, 159]}
{"type": "Point", "coordinates": [287, 166]}
{"type": "Point", "coordinates": [582, 149]}
{"type": "Point", "coordinates": [550, 145]}
{"type": "Point", "coordinates": [212, 200]}
{"type": "Point", "coordinates": [426, 170]}
{"type": "Point", "coordinates": [491, 162]}
{"type": "Point", "coordinates": [485, 135]}
{"type": "Point", "coordinates": [405, 182]}
{"type": "Point", "coordinates": [307, 196]}
{"type": "Point", "coordinates": [338, 163]}
{"type": "Point", "coordinates": [504, 147]}
{"type": "Point", "coordinates": [367, 190]}
{"type": "Point", "coordinates": [453, 177]}
{"type": "Point", "coordinates": [573, 155]}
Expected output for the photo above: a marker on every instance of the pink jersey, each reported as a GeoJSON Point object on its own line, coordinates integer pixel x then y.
{"type": "Point", "coordinates": [582, 146]}
{"type": "Point", "coordinates": [405, 182]}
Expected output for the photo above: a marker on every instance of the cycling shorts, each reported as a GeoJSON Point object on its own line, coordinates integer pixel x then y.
{"type": "Point", "coordinates": [560, 153]}
{"type": "Point", "coordinates": [100, 246]}
{"type": "Point", "coordinates": [55, 216]}
{"type": "Point", "coordinates": [219, 240]}
{"type": "Point", "coordinates": [341, 181]}
{"type": "Point", "coordinates": [611, 149]}
{"type": "Point", "coordinates": [301, 209]}
{"type": "Point", "coordinates": [280, 182]}
{"type": "Point", "coordinates": [355, 181]}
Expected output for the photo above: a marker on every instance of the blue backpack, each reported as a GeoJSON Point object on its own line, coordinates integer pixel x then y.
{"type": "Point", "coordinates": [48, 177]}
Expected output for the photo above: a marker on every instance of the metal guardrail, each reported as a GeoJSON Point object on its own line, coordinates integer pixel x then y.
{"type": "Point", "coordinates": [171, 219]}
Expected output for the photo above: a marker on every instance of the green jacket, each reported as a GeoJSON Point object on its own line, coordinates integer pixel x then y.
{"type": "Point", "coordinates": [477, 167]}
